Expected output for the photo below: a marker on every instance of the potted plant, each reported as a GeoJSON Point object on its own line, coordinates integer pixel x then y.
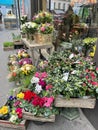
{"type": "Point", "coordinates": [8, 46]}
{"type": "Point", "coordinates": [72, 76]}
{"type": "Point", "coordinates": [37, 100]}
{"type": "Point", "coordinates": [45, 33]}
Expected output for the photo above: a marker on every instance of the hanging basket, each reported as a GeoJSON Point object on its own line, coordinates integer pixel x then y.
{"type": "Point", "coordinates": [43, 38]}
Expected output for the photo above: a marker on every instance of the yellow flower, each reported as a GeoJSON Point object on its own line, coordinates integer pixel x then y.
{"type": "Point", "coordinates": [13, 112]}
{"type": "Point", "coordinates": [4, 110]}
{"type": "Point", "coordinates": [93, 53]}
{"type": "Point", "coordinates": [20, 95]}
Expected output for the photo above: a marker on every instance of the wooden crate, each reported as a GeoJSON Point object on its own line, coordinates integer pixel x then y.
{"type": "Point", "coordinates": [8, 48]}
{"type": "Point", "coordinates": [30, 116]}
{"type": "Point", "coordinates": [75, 102]}
{"type": "Point", "coordinates": [8, 124]}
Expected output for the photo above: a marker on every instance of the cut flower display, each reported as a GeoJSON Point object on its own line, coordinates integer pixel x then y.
{"type": "Point", "coordinates": [43, 17]}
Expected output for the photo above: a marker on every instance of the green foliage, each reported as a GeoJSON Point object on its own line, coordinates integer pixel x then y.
{"type": "Point", "coordinates": [8, 44]}
{"type": "Point", "coordinates": [16, 37]}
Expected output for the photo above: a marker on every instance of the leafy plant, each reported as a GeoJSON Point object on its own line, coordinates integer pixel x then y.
{"type": "Point", "coordinates": [16, 37]}
{"type": "Point", "coordinates": [8, 44]}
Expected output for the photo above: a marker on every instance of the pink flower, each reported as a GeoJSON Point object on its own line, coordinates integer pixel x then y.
{"type": "Point", "coordinates": [48, 87]}
{"type": "Point", "coordinates": [44, 75]}
{"type": "Point", "coordinates": [48, 101]}
{"type": "Point", "coordinates": [19, 112]}
{"type": "Point", "coordinates": [42, 29]}
{"type": "Point", "coordinates": [37, 74]}
{"type": "Point", "coordinates": [97, 69]}
{"type": "Point", "coordinates": [86, 77]}
{"type": "Point", "coordinates": [95, 83]}
{"type": "Point", "coordinates": [17, 103]}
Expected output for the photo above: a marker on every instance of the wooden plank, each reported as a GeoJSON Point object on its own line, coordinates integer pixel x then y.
{"type": "Point", "coordinates": [75, 102]}
{"type": "Point", "coordinates": [8, 48]}
{"type": "Point", "coordinates": [30, 116]}
{"type": "Point", "coordinates": [8, 124]}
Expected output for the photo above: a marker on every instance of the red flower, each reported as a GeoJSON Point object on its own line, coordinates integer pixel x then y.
{"type": "Point", "coordinates": [38, 101]}
{"type": "Point", "coordinates": [28, 95]}
{"type": "Point", "coordinates": [19, 112]}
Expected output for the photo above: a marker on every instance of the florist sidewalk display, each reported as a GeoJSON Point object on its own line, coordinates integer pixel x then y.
{"type": "Point", "coordinates": [45, 28]}
{"type": "Point", "coordinates": [37, 101]}
{"type": "Point", "coordinates": [43, 17]}
{"type": "Point", "coordinates": [72, 76]}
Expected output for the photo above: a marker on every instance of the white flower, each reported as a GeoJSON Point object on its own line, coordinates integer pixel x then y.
{"type": "Point", "coordinates": [28, 68]}
{"type": "Point", "coordinates": [38, 88]}
{"type": "Point", "coordinates": [13, 118]}
{"type": "Point", "coordinates": [34, 80]}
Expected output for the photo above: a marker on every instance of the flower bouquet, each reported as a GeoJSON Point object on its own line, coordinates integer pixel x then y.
{"type": "Point", "coordinates": [43, 17]}
{"type": "Point", "coordinates": [44, 34]}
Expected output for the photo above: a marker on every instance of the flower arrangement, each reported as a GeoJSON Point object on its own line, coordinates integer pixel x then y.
{"type": "Point", "coordinates": [43, 17]}
{"type": "Point", "coordinates": [45, 28]}
{"type": "Point", "coordinates": [69, 76]}
{"type": "Point", "coordinates": [36, 99]}
{"type": "Point", "coordinates": [29, 27]}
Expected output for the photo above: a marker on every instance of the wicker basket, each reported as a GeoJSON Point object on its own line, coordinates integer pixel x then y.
{"type": "Point", "coordinates": [43, 38]}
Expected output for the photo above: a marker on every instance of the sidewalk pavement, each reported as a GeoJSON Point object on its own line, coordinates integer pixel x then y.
{"type": "Point", "coordinates": [61, 123]}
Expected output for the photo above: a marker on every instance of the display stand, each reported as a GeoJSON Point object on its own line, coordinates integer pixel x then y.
{"type": "Point", "coordinates": [35, 50]}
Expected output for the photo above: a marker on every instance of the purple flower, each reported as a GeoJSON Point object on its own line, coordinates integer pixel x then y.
{"type": "Point", "coordinates": [42, 83]}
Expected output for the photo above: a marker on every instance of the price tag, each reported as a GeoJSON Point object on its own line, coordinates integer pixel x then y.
{"type": "Point", "coordinates": [71, 56]}
{"type": "Point", "coordinates": [66, 75]}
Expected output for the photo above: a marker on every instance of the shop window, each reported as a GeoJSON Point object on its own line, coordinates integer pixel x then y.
{"type": "Point", "coordinates": [64, 6]}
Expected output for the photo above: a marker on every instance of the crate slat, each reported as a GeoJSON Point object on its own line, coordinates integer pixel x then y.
{"type": "Point", "coordinates": [30, 116]}
{"type": "Point", "coordinates": [8, 124]}
{"type": "Point", "coordinates": [75, 102]}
